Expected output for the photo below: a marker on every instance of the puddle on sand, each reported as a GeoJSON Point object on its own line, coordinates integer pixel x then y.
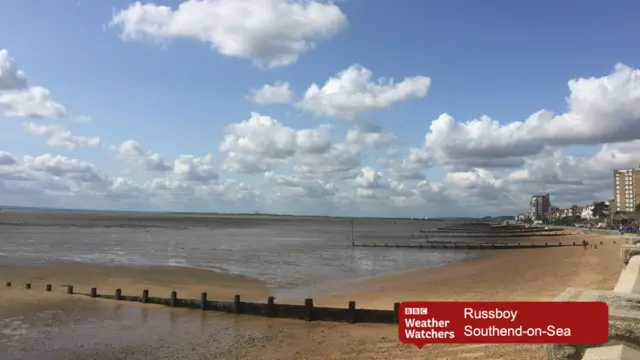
{"type": "Point", "coordinates": [110, 328]}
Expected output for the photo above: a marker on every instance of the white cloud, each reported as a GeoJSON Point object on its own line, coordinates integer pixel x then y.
{"type": "Point", "coordinates": [83, 119]}
{"type": "Point", "coordinates": [373, 136]}
{"type": "Point", "coordinates": [58, 136]}
{"type": "Point", "coordinates": [601, 110]}
{"type": "Point", "coordinates": [261, 143]}
{"type": "Point", "coordinates": [353, 92]}
{"type": "Point", "coordinates": [278, 93]}
{"type": "Point", "coordinates": [269, 32]}
{"type": "Point", "coordinates": [20, 101]}
{"type": "Point", "coordinates": [130, 151]}
{"type": "Point", "coordinates": [11, 77]}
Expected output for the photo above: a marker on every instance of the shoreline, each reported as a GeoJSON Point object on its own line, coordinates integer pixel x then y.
{"type": "Point", "coordinates": [532, 274]}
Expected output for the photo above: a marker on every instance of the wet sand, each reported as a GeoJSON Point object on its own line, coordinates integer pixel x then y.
{"type": "Point", "coordinates": [99, 329]}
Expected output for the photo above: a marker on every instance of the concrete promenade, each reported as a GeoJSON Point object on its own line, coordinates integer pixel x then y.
{"type": "Point", "coordinates": [624, 313]}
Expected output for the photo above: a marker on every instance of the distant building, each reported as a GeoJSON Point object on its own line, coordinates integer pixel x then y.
{"type": "Point", "coordinates": [540, 206]}
{"type": "Point", "coordinates": [626, 189]}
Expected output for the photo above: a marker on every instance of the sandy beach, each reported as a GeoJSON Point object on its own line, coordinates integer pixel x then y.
{"type": "Point", "coordinates": [100, 329]}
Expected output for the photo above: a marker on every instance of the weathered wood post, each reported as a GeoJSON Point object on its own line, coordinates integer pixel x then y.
{"type": "Point", "coordinates": [352, 312]}
{"type": "Point", "coordinates": [271, 307]}
{"type": "Point", "coordinates": [545, 244]}
{"type": "Point", "coordinates": [27, 286]}
{"type": "Point", "coordinates": [94, 292]}
{"type": "Point", "coordinates": [173, 300]}
{"type": "Point", "coordinates": [203, 301]}
{"type": "Point", "coordinates": [559, 243]}
{"type": "Point", "coordinates": [48, 287]}
{"type": "Point", "coordinates": [396, 310]}
{"type": "Point", "coordinates": [236, 304]}
{"type": "Point", "coordinates": [308, 309]}
{"type": "Point", "coordinates": [7, 284]}
{"type": "Point", "coordinates": [118, 294]}
{"type": "Point", "coordinates": [69, 289]}
{"type": "Point", "coordinates": [145, 296]}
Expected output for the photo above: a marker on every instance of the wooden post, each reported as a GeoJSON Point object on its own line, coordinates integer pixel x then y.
{"type": "Point", "coordinates": [145, 296]}
{"type": "Point", "coordinates": [308, 311]}
{"type": "Point", "coordinates": [271, 307]}
{"type": "Point", "coordinates": [352, 312]}
{"type": "Point", "coordinates": [69, 289]}
{"type": "Point", "coordinates": [396, 310]}
{"type": "Point", "coordinates": [173, 300]}
{"type": "Point", "coordinates": [94, 292]}
{"type": "Point", "coordinates": [203, 301]}
{"type": "Point", "coordinates": [48, 287]}
{"type": "Point", "coordinates": [27, 286]}
{"type": "Point", "coordinates": [118, 294]}
{"type": "Point", "coordinates": [7, 284]}
{"type": "Point", "coordinates": [236, 304]}
{"type": "Point", "coordinates": [545, 244]}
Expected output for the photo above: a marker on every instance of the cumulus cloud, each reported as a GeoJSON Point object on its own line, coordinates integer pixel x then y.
{"type": "Point", "coordinates": [278, 93]}
{"type": "Point", "coordinates": [353, 92]}
{"type": "Point", "coordinates": [58, 136]}
{"type": "Point", "coordinates": [131, 151]}
{"type": "Point", "coordinates": [600, 110]}
{"type": "Point", "coordinates": [18, 100]}
{"type": "Point", "coordinates": [260, 143]}
{"type": "Point", "coordinates": [271, 33]}
{"type": "Point", "coordinates": [372, 135]}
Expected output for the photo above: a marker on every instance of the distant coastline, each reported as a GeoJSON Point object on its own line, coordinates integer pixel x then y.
{"type": "Point", "coordinates": [33, 209]}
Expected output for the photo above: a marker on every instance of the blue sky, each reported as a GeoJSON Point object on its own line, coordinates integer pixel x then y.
{"type": "Point", "coordinates": [502, 59]}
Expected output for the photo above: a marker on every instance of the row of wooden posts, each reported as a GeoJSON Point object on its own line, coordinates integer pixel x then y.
{"type": "Point", "coordinates": [307, 312]}
{"type": "Point", "coordinates": [467, 245]}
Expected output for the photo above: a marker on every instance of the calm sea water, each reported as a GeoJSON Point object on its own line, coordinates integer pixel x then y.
{"type": "Point", "coordinates": [285, 256]}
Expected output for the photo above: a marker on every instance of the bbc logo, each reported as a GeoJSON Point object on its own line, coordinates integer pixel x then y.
{"type": "Point", "coordinates": [416, 311]}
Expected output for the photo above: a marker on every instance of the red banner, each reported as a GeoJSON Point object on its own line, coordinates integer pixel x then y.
{"type": "Point", "coordinates": [422, 323]}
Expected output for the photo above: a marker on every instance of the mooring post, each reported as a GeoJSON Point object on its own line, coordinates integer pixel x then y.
{"type": "Point", "coordinates": [236, 303]}
{"type": "Point", "coordinates": [203, 301]}
{"type": "Point", "coordinates": [69, 289]}
{"type": "Point", "coordinates": [396, 310]}
{"type": "Point", "coordinates": [308, 309]}
{"type": "Point", "coordinates": [94, 292]}
{"type": "Point", "coordinates": [48, 287]}
{"type": "Point", "coordinates": [118, 294]}
{"type": "Point", "coordinates": [173, 300]}
{"type": "Point", "coordinates": [145, 296]}
{"type": "Point", "coordinates": [352, 312]}
{"type": "Point", "coordinates": [27, 286]}
{"type": "Point", "coordinates": [271, 306]}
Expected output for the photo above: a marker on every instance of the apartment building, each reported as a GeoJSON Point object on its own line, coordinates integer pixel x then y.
{"type": "Point", "coordinates": [540, 206]}
{"type": "Point", "coordinates": [626, 189]}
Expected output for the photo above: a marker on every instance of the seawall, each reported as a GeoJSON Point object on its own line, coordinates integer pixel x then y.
{"type": "Point", "coordinates": [624, 313]}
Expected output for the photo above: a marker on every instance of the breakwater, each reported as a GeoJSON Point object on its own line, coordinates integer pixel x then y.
{"type": "Point", "coordinates": [470, 245]}
{"type": "Point", "coordinates": [493, 234]}
{"type": "Point", "coordinates": [306, 311]}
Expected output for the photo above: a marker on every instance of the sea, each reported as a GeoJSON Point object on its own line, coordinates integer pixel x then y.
{"type": "Point", "coordinates": [285, 254]}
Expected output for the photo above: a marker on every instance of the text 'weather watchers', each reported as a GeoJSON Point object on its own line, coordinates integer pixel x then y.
{"type": "Point", "coordinates": [422, 323]}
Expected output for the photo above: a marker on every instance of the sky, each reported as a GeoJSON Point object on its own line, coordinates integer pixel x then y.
{"type": "Point", "coordinates": [347, 108]}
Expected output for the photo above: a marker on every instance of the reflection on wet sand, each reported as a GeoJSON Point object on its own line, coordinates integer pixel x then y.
{"type": "Point", "coordinates": [100, 329]}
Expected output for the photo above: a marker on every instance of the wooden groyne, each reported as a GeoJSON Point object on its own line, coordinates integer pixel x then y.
{"type": "Point", "coordinates": [496, 230]}
{"type": "Point", "coordinates": [307, 312]}
{"type": "Point", "coordinates": [470, 245]}
{"type": "Point", "coordinates": [496, 234]}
